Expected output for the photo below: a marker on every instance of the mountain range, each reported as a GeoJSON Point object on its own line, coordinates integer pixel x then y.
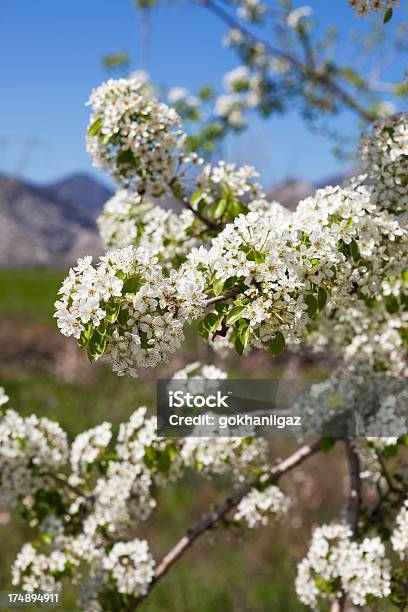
{"type": "Point", "coordinates": [54, 224]}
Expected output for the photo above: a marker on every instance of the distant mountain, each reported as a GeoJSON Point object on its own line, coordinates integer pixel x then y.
{"type": "Point", "coordinates": [81, 192]}
{"type": "Point", "coordinates": [290, 192]}
{"type": "Point", "coordinates": [53, 225]}
{"type": "Point", "coordinates": [37, 228]}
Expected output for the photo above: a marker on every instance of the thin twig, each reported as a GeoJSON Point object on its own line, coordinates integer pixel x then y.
{"type": "Point", "coordinates": [339, 603]}
{"type": "Point", "coordinates": [184, 201]}
{"type": "Point", "coordinates": [65, 483]}
{"type": "Point", "coordinates": [354, 502]}
{"type": "Point", "coordinates": [224, 296]}
{"type": "Point", "coordinates": [211, 519]}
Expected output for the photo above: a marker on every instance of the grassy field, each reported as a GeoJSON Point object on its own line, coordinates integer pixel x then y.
{"type": "Point", "coordinates": [29, 292]}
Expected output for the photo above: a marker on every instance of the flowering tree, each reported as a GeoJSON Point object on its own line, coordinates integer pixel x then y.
{"type": "Point", "coordinates": [255, 276]}
{"type": "Point", "coordinates": [288, 60]}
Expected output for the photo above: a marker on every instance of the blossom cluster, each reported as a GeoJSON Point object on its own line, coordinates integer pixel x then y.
{"type": "Point", "coordinates": [133, 136]}
{"type": "Point", "coordinates": [335, 245]}
{"type": "Point", "coordinates": [127, 309]}
{"type": "Point", "coordinates": [32, 450]}
{"type": "Point", "coordinates": [336, 562]}
{"type": "Point", "coordinates": [222, 178]}
{"type": "Point", "coordinates": [256, 507]}
{"type": "Point", "coordinates": [384, 155]}
{"type": "Point", "coordinates": [370, 326]}
{"type": "Point", "coordinates": [375, 405]}
{"type": "Point", "coordinates": [399, 537]}
{"type": "Point", "coordinates": [130, 219]}
{"type": "Point", "coordinates": [336, 265]}
{"type": "Point", "coordinates": [250, 10]}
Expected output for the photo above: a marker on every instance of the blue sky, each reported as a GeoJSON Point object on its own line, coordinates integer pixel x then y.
{"type": "Point", "coordinates": [51, 59]}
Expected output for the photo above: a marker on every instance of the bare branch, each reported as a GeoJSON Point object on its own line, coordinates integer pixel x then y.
{"type": "Point", "coordinates": [339, 603]}
{"type": "Point", "coordinates": [210, 520]}
{"type": "Point", "coordinates": [224, 296]}
{"type": "Point", "coordinates": [388, 478]}
{"type": "Point", "coordinates": [354, 502]}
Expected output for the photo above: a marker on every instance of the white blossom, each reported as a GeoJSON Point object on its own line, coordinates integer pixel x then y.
{"type": "Point", "coordinates": [399, 537]}
{"type": "Point", "coordinates": [256, 507]}
{"type": "Point", "coordinates": [361, 567]}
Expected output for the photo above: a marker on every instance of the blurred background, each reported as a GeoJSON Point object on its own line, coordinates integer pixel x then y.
{"type": "Point", "coordinates": [50, 196]}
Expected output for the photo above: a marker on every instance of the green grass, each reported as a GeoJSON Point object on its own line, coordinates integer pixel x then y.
{"type": "Point", "coordinates": [29, 292]}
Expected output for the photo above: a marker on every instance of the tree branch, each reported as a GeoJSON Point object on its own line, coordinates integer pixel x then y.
{"type": "Point", "coordinates": [66, 484]}
{"type": "Point", "coordinates": [210, 520]}
{"type": "Point", "coordinates": [388, 478]}
{"type": "Point", "coordinates": [307, 71]}
{"type": "Point", "coordinates": [225, 296]}
{"type": "Point", "coordinates": [184, 201]}
{"type": "Point", "coordinates": [354, 502]}
{"type": "Point", "coordinates": [353, 510]}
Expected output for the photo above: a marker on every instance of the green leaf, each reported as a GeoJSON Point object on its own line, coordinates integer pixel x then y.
{"type": "Point", "coordinates": [239, 346]}
{"type": "Point", "coordinates": [312, 305]}
{"type": "Point", "coordinates": [240, 336]}
{"type": "Point", "coordinates": [85, 335]}
{"type": "Point", "coordinates": [222, 308]}
{"type": "Point", "coordinates": [388, 14]}
{"type": "Point", "coordinates": [277, 344]}
{"type": "Point", "coordinates": [327, 586]}
{"type": "Point", "coordinates": [219, 208]}
{"type": "Point", "coordinates": [125, 158]}
{"type": "Point", "coordinates": [326, 444]}
{"type": "Point", "coordinates": [96, 345]}
{"type": "Point", "coordinates": [390, 451]}
{"type": "Point", "coordinates": [218, 286]}
{"type": "Point", "coordinates": [131, 285]}
{"type": "Point", "coordinates": [253, 255]}
{"type": "Point", "coordinates": [209, 324]}
{"type": "Point", "coordinates": [391, 304]}
{"type": "Point", "coordinates": [355, 253]}
{"type": "Point", "coordinates": [95, 127]}
{"type": "Point", "coordinates": [115, 60]}
{"type": "Point", "coordinates": [123, 317]}
{"type": "Point", "coordinates": [196, 197]}
{"type": "Point", "coordinates": [112, 312]}
{"type": "Point", "coordinates": [206, 93]}
{"type": "Point", "coordinates": [244, 335]}
{"type": "Point", "coordinates": [321, 298]}
{"type": "Point", "coordinates": [234, 314]}
{"type": "Point", "coordinates": [230, 282]}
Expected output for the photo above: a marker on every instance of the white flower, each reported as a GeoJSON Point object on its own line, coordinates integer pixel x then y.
{"type": "Point", "coordinates": [399, 537]}
{"type": "Point", "coordinates": [256, 507]}
{"type": "Point", "coordinates": [131, 566]}
{"type": "Point", "coordinates": [176, 94]}
{"type": "Point", "coordinates": [236, 77]}
{"type": "Point", "coordinates": [87, 446]}
{"type": "Point", "coordinates": [297, 14]}
{"type": "Point", "coordinates": [362, 568]}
